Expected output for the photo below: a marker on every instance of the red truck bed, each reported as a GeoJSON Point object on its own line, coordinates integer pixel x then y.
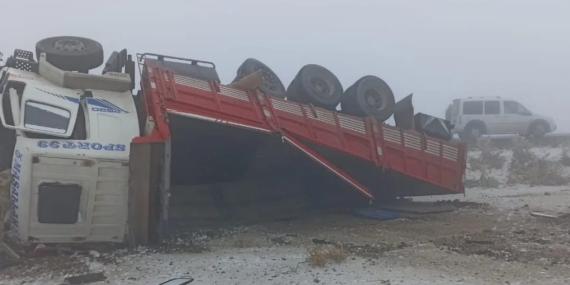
{"type": "Point", "coordinates": [374, 158]}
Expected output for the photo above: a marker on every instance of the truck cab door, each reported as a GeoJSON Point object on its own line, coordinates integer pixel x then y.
{"type": "Point", "coordinates": [44, 110]}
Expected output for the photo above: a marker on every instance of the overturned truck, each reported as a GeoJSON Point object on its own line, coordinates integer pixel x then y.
{"type": "Point", "coordinates": [186, 148]}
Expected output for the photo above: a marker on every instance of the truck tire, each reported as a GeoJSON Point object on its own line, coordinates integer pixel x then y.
{"type": "Point", "coordinates": [369, 96]}
{"type": "Point", "coordinates": [71, 53]}
{"type": "Point", "coordinates": [538, 128]}
{"type": "Point", "coordinates": [315, 85]}
{"type": "Point", "coordinates": [272, 85]}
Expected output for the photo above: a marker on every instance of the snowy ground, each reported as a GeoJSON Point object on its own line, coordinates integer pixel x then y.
{"type": "Point", "coordinates": [490, 238]}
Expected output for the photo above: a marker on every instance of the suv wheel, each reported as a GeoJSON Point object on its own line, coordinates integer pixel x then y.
{"type": "Point", "coordinates": [538, 129]}
{"type": "Point", "coordinates": [474, 131]}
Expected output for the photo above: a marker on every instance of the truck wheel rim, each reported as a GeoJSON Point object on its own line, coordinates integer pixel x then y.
{"type": "Point", "coordinates": [373, 99]}
{"type": "Point", "coordinates": [320, 87]}
{"type": "Point", "coordinates": [270, 81]}
{"type": "Point", "coordinates": [69, 45]}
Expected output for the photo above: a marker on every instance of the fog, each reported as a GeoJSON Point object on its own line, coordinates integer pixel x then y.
{"type": "Point", "coordinates": [438, 49]}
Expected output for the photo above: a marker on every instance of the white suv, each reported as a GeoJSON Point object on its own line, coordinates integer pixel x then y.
{"type": "Point", "coordinates": [475, 116]}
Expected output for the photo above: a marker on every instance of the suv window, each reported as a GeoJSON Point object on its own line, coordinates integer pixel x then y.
{"type": "Point", "coordinates": [512, 107]}
{"type": "Point", "coordinates": [473, 108]}
{"type": "Point", "coordinates": [492, 107]}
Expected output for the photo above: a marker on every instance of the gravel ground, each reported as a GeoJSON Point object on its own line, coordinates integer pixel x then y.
{"type": "Point", "coordinates": [489, 238]}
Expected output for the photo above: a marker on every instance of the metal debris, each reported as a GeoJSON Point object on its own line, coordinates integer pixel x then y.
{"type": "Point", "coordinates": [542, 215]}
{"type": "Point", "coordinates": [85, 279]}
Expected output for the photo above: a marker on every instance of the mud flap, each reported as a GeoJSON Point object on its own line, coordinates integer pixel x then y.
{"type": "Point", "coordinates": [404, 113]}
{"type": "Point", "coordinates": [328, 165]}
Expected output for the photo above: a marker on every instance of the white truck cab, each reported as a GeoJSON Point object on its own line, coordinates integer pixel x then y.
{"type": "Point", "coordinates": [476, 116]}
{"type": "Point", "coordinates": [71, 155]}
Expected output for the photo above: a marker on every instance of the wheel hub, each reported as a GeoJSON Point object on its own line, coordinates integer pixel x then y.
{"type": "Point", "coordinates": [269, 80]}
{"type": "Point", "coordinates": [539, 129]}
{"type": "Point", "coordinates": [69, 45]}
{"type": "Point", "coordinates": [320, 87]}
{"type": "Point", "coordinates": [373, 99]}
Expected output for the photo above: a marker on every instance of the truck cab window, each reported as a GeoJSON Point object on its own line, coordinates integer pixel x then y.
{"type": "Point", "coordinates": [45, 117]}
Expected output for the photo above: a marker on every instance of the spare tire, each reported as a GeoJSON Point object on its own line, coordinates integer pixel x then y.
{"type": "Point", "coordinates": [272, 85]}
{"type": "Point", "coordinates": [369, 96]}
{"type": "Point", "coordinates": [71, 53]}
{"type": "Point", "coordinates": [315, 85]}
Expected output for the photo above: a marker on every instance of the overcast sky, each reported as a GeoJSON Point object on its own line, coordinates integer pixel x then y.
{"type": "Point", "coordinates": [437, 49]}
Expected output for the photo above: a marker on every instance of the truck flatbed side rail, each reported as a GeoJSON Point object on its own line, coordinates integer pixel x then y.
{"type": "Point", "coordinates": [406, 151]}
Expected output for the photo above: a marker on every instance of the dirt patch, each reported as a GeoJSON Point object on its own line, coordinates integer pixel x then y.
{"type": "Point", "coordinates": [319, 256]}
{"type": "Point", "coordinates": [62, 260]}
{"type": "Point", "coordinates": [372, 250]}
{"type": "Point", "coordinates": [534, 241]}
{"type": "Point", "coordinates": [56, 266]}
{"type": "Point", "coordinates": [463, 204]}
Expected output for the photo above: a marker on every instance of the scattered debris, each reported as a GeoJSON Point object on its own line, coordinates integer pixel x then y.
{"type": "Point", "coordinates": [320, 255]}
{"type": "Point", "coordinates": [281, 240]}
{"type": "Point", "coordinates": [42, 250]}
{"type": "Point", "coordinates": [542, 215]}
{"type": "Point", "coordinates": [372, 212]}
{"type": "Point", "coordinates": [94, 253]}
{"type": "Point", "coordinates": [320, 241]}
{"type": "Point", "coordinates": [188, 280]}
{"type": "Point", "coordinates": [85, 279]}
{"type": "Point", "coordinates": [418, 207]}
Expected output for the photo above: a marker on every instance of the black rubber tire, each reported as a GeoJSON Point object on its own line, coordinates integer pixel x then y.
{"type": "Point", "coordinates": [71, 53]}
{"type": "Point", "coordinates": [315, 85]}
{"type": "Point", "coordinates": [538, 129]}
{"type": "Point", "coordinates": [468, 132]}
{"type": "Point", "coordinates": [272, 85]}
{"type": "Point", "coordinates": [356, 99]}
{"type": "Point", "coordinates": [292, 93]}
